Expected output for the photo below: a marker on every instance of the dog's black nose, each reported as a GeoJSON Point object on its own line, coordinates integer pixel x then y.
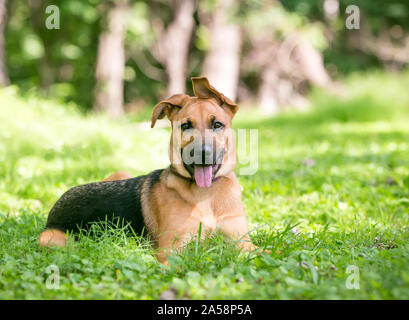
{"type": "Point", "coordinates": [207, 155]}
{"type": "Point", "coordinates": [202, 155]}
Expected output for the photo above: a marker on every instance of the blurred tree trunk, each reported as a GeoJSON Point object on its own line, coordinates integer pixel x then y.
{"type": "Point", "coordinates": [222, 61]}
{"type": "Point", "coordinates": [286, 68]}
{"type": "Point", "coordinates": [110, 67]}
{"type": "Point", "coordinates": [44, 65]}
{"type": "Point", "coordinates": [310, 62]}
{"type": "Point", "coordinates": [172, 48]}
{"type": "Point", "coordinates": [4, 79]}
{"type": "Point", "coordinates": [269, 78]}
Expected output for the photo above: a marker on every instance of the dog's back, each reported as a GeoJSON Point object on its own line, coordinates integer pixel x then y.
{"type": "Point", "coordinates": [100, 201]}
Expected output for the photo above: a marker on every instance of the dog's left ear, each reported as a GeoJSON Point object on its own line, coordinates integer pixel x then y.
{"type": "Point", "coordinates": [203, 89]}
{"type": "Point", "coordinates": [168, 107]}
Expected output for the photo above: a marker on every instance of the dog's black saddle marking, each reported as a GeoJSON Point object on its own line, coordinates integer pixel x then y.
{"type": "Point", "coordinates": [100, 201]}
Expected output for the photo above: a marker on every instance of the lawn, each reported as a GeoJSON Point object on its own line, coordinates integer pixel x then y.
{"type": "Point", "coordinates": [330, 199]}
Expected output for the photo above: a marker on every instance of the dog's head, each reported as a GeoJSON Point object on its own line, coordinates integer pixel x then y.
{"type": "Point", "coordinates": [202, 146]}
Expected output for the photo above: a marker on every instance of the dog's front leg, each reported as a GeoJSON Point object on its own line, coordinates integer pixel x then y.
{"type": "Point", "coordinates": [236, 228]}
{"type": "Point", "coordinates": [178, 232]}
{"type": "Point", "coordinates": [170, 242]}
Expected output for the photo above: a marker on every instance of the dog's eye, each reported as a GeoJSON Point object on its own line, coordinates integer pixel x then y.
{"type": "Point", "coordinates": [185, 126]}
{"type": "Point", "coordinates": [218, 125]}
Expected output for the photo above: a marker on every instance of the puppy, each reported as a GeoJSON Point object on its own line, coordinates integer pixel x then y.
{"type": "Point", "coordinates": [199, 187]}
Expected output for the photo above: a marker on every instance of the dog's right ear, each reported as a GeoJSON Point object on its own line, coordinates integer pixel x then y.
{"type": "Point", "coordinates": [168, 107]}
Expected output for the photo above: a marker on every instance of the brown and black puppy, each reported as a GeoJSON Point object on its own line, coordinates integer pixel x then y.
{"type": "Point", "coordinates": [198, 187]}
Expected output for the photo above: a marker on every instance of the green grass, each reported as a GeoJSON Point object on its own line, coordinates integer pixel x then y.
{"type": "Point", "coordinates": [331, 191]}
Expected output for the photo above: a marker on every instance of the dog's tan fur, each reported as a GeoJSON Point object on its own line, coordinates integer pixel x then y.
{"type": "Point", "coordinates": [53, 238]}
{"type": "Point", "coordinates": [175, 206]}
{"type": "Point", "coordinates": [120, 175]}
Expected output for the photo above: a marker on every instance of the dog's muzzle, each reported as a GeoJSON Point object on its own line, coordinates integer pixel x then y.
{"type": "Point", "coordinates": [202, 162]}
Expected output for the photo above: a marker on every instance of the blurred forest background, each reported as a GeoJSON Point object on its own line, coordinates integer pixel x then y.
{"type": "Point", "coordinates": [123, 56]}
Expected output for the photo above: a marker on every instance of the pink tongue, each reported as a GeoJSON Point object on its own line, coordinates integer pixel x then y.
{"type": "Point", "coordinates": [203, 176]}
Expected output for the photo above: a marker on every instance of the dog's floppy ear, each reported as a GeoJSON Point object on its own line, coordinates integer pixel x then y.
{"type": "Point", "coordinates": [168, 107]}
{"type": "Point", "coordinates": [203, 89]}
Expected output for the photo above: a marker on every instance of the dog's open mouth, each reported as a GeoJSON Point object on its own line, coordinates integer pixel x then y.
{"type": "Point", "coordinates": [204, 175]}
{"type": "Point", "coordinates": [201, 172]}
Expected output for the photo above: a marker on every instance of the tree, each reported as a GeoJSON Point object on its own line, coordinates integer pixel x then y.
{"type": "Point", "coordinates": [46, 69]}
{"type": "Point", "coordinates": [172, 47]}
{"type": "Point", "coordinates": [111, 62]}
{"type": "Point", "coordinates": [4, 79]}
{"type": "Point", "coordinates": [222, 61]}
{"type": "Point", "coordinates": [286, 69]}
{"type": "Point", "coordinates": [280, 50]}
